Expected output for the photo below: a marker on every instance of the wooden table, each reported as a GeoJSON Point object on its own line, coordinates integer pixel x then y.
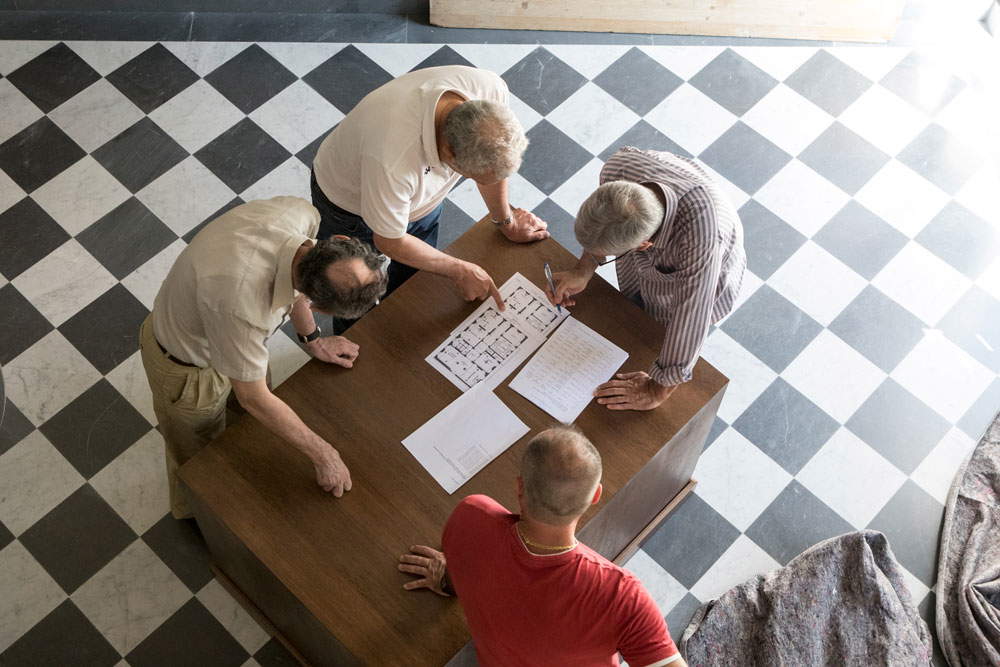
{"type": "Point", "coordinates": [323, 570]}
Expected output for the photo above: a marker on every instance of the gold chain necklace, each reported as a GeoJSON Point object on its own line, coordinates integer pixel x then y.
{"type": "Point", "coordinates": [543, 546]}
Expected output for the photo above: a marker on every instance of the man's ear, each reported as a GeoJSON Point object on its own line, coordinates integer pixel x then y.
{"type": "Point", "coordinates": [597, 494]}
{"type": "Point", "coordinates": [644, 245]}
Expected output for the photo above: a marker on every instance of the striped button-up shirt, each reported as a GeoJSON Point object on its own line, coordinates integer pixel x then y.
{"type": "Point", "coordinates": [691, 276]}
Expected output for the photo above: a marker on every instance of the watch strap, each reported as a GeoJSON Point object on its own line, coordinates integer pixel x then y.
{"type": "Point", "coordinates": [308, 338]}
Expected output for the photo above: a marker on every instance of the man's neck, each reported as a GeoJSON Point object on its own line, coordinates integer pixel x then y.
{"type": "Point", "coordinates": [537, 535]}
{"type": "Point", "coordinates": [299, 254]}
{"type": "Point", "coordinates": [447, 102]}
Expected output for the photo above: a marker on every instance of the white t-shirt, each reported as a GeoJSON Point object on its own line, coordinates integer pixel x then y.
{"type": "Point", "coordinates": [381, 161]}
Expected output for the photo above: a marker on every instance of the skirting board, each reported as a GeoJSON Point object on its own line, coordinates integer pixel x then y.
{"type": "Point", "coordinates": [837, 20]}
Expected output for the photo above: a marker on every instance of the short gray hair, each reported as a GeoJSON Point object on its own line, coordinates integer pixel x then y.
{"type": "Point", "coordinates": [486, 138]}
{"type": "Point", "coordinates": [617, 217]}
{"type": "Point", "coordinates": [345, 301]}
{"type": "Point", "coordinates": [560, 470]}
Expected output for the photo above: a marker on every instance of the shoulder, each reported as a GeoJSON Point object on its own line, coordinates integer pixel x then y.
{"type": "Point", "coordinates": [480, 507]}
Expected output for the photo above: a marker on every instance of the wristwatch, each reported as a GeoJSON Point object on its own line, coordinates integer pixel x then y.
{"type": "Point", "coordinates": [502, 223]}
{"type": "Point", "coordinates": [308, 338]}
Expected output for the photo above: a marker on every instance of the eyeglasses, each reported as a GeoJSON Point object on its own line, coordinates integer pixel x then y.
{"type": "Point", "coordinates": [615, 258]}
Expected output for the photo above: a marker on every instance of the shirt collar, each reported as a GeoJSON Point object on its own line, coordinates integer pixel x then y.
{"type": "Point", "coordinates": [284, 292]}
{"type": "Point", "coordinates": [431, 98]}
{"type": "Point", "coordinates": [661, 235]}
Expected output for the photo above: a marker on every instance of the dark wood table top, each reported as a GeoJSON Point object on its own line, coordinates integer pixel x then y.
{"type": "Point", "coordinates": [338, 556]}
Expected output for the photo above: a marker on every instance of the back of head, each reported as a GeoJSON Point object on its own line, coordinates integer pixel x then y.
{"type": "Point", "coordinates": [486, 138]}
{"type": "Point", "coordinates": [342, 296]}
{"type": "Point", "coordinates": [617, 217]}
{"type": "Point", "coordinates": [560, 470]}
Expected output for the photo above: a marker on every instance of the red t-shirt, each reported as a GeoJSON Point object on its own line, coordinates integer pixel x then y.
{"type": "Point", "coordinates": [572, 608]}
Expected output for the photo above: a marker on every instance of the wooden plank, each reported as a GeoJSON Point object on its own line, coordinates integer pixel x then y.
{"type": "Point", "coordinates": [838, 20]}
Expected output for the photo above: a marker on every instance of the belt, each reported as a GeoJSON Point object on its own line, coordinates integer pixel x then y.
{"type": "Point", "coordinates": [173, 358]}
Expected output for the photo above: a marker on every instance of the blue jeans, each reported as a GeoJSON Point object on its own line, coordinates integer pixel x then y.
{"type": "Point", "coordinates": [335, 220]}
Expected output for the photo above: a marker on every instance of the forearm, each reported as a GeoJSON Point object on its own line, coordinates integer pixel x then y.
{"type": "Point", "coordinates": [411, 251]}
{"type": "Point", "coordinates": [495, 198]}
{"type": "Point", "coordinates": [281, 420]}
{"type": "Point", "coordinates": [302, 317]}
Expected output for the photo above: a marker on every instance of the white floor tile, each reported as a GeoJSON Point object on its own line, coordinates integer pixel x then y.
{"type": "Point", "coordinates": [18, 111]}
{"type": "Point", "coordinates": [10, 192]}
{"type": "Point", "coordinates": [27, 593]}
{"type": "Point", "coordinates": [833, 375]}
{"type": "Point", "coordinates": [289, 178]}
{"type": "Point", "coordinates": [145, 281]}
{"type": "Point", "coordinates": [398, 61]}
{"type": "Point", "coordinates": [979, 195]}
{"type": "Point", "coordinates": [578, 187]}
{"type": "Point", "coordinates": [47, 376]}
{"type": "Point", "coordinates": [684, 61]}
{"type": "Point", "coordinates": [285, 357]}
{"type": "Point", "coordinates": [196, 115]}
{"type": "Point", "coordinates": [874, 63]}
{"type": "Point", "coordinates": [851, 477]}
{"type": "Point", "coordinates": [742, 561]}
{"type": "Point", "coordinates": [802, 198]}
{"type": "Point", "coordinates": [233, 617]}
{"type": "Point", "coordinates": [129, 378]}
{"type": "Point", "coordinates": [691, 119]}
{"type": "Point", "coordinates": [106, 57]}
{"type": "Point", "coordinates": [587, 60]}
{"type": "Point", "coordinates": [922, 282]}
{"type": "Point", "coordinates": [990, 279]}
{"type": "Point", "coordinates": [737, 479]}
{"type": "Point", "coordinates": [466, 196]}
{"type": "Point", "coordinates": [666, 590]}
{"type": "Point", "coordinates": [817, 282]}
{"type": "Point", "coordinates": [34, 478]}
{"type": "Point", "coordinates": [522, 193]}
{"type": "Point", "coordinates": [943, 376]}
{"type": "Point", "coordinates": [936, 473]}
{"type": "Point", "coordinates": [131, 596]}
{"type": "Point", "coordinates": [204, 194]}
{"type": "Point", "coordinates": [301, 58]}
{"type": "Point", "coordinates": [884, 119]}
{"type": "Point", "coordinates": [135, 483]}
{"type": "Point", "coordinates": [296, 116]}
{"type": "Point", "coordinates": [495, 60]}
{"type": "Point", "coordinates": [205, 57]}
{"type": "Point", "coordinates": [96, 115]}
{"type": "Point", "coordinates": [789, 120]}
{"type": "Point", "coordinates": [901, 197]}
{"type": "Point", "coordinates": [65, 281]}
{"type": "Point", "coordinates": [593, 118]}
{"type": "Point", "coordinates": [736, 196]}
{"type": "Point", "coordinates": [779, 63]}
{"type": "Point", "coordinates": [748, 375]}
{"type": "Point", "coordinates": [81, 195]}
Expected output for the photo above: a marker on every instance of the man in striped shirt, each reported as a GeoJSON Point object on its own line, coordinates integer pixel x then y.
{"type": "Point", "coordinates": [678, 247]}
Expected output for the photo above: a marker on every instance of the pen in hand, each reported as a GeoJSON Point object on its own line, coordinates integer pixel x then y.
{"type": "Point", "coordinates": [552, 284]}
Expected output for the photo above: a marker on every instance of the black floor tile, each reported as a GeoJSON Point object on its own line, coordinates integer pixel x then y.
{"type": "Point", "coordinates": [95, 428]}
{"type": "Point", "coordinates": [733, 82]}
{"type": "Point", "coordinates": [205, 642]}
{"type": "Point", "coordinates": [560, 225]}
{"type": "Point", "coordinates": [772, 327]}
{"type": "Point", "coordinates": [201, 225]}
{"type": "Point", "coordinates": [638, 81]}
{"type": "Point", "coordinates": [140, 155]}
{"type": "Point", "coordinates": [795, 521]}
{"type": "Point", "coordinates": [53, 77]}
{"type": "Point", "coordinates": [928, 613]}
{"type": "Point", "coordinates": [27, 234]}
{"type": "Point", "coordinates": [976, 419]}
{"type": "Point", "coordinates": [879, 328]}
{"type": "Point", "coordinates": [912, 522]}
{"type": "Point", "coordinates": [443, 56]}
{"type": "Point", "coordinates": [180, 545]}
{"type": "Point", "coordinates": [680, 616]}
{"type": "Point", "coordinates": [273, 654]}
{"type": "Point", "coordinates": [690, 540]}
{"type": "Point", "coordinates": [126, 238]}
{"type": "Point", "coordinates": [961, 238]}
{"type": "Point", "coordinates": [347, 77]}
{"type": "Point", "coordinates": [860, 239]}
{"type": "Point", "coordinates": [76, 539]}
{"type": "Point", "coordinates": [308, 154]}
{"type": "Point", "coordinates": [552, 157]}
{"type": "Point", "coordinates": [242, 155]}
{"type": "Point", "coordinates": [14, 426]}
{"type": "Point", "coordinates": [718, 426]}
{"type": "Point", "coordinates": [898, 425]}
{"type": "Point", "coordinates": [844, 158]}
{"type": "Point", "coordinates": [106, 331]}
{"type": "Point", "coordinates": [251, 78]}
{"type": "Point", "coordinates": [6, 537]}
{"type": "Point", "coordinates": [745, 158]}
{"type": "Point", "coordinates": [37, 153]}
{"type": "Point", "coordinates": [64, 637]}
{"type": "Point", "coordinates": [543, 81]}
{"type": "Point", "coordinates": [768, 240]}
{"type": "Point", "coordinates": [786, 426]}
{"type": "Point", "coordinates": [974, 325]}
{"type": "Point", "coordinates": [645, 136]}
{"type": "Point", "coordinates": [152, 77]}
{"type": "Point", "coordinates": [454, 222]}
{"type": "Point", "coordinates": [941, 158]}
{"type": "Point", "coordinates": [21, 325]}
{"type": "Point", "coordinates": [828, 82]}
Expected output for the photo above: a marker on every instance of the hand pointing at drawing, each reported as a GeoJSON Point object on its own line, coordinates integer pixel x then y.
{"type": "Point", "coordinates": [474, 283]}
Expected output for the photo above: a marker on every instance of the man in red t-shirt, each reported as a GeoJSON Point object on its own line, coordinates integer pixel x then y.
{"type": "Point", "coordinates": [531, 593]}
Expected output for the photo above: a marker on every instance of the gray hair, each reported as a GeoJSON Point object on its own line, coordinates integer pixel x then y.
{"type": "Point", "coordinates": [486, 138]}
{"type": "Point", "coordinates": [617, 217]}
{"type": "Point", "coordinates": [560, 470]}
{"type": "Point", "coordinates": [345, 301]}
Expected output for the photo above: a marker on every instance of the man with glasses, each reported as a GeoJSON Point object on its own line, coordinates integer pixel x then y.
{"type": "Point", "coordinates": [678, 247]}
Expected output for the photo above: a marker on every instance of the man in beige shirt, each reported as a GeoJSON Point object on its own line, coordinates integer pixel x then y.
{"type": "Point", "coordinates": [383, 173]}
{"type": "Point", "coordinates": [225, 295]}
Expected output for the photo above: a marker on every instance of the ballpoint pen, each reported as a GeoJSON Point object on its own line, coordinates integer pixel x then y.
{"type": "Point", "coordinates": [552, 284]}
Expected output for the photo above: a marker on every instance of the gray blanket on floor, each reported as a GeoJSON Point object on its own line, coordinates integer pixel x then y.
{"type": "Point", "coordinates": [840, 602]}
{"type": "Point", "coordinates": [968, 589]}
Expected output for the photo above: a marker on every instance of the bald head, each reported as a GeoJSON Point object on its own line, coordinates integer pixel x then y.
{"type": "Point", "coordinates": [560, 470]}
{"type": "Point", "coordinates": [341, 276]}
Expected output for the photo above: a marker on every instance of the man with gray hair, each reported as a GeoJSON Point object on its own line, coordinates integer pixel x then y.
{"type": "Point", "coordinates": [532, 594]}
{"type": "Point", "coordinates": [227, 293]}
{"type": "Point", "coordinates": [678, 247]}
{"type": "Point", "coordinates": [382, 174]}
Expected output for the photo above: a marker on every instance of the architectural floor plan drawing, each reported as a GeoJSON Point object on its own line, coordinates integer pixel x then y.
{"type": "Point", "coordinates": [489, 344]}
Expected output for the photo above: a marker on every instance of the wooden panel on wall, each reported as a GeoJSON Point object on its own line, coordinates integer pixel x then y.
{"type": "Point", "coordinates": [839, 20]}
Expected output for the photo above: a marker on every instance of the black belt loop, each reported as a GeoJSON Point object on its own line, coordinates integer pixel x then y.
{"type": "Point", "coordinates": [172, 357]}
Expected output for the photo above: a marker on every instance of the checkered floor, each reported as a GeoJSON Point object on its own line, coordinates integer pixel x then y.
{"type": "Point", "coordinates": [863, 359]}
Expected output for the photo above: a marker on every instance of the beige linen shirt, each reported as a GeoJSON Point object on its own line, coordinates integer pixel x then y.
{"type": "Point", "coordinates": [381, 161]}
{"type": "Point", "coordinates": [230, 289]}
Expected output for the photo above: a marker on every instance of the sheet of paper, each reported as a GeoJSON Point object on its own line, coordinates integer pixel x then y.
{"type": "Point", "coordinates": [488, 345]}
{"type": "Point", "coordinates": [561, 378]}
{"type": "Point", "coordinates": [464, 437]}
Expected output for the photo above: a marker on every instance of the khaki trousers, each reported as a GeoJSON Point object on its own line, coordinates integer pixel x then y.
{"type": "Point", "coordinates": [190, 405]}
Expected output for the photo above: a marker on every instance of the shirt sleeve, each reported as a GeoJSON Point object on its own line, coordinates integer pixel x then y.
{"type": "Point", "coordinates": [685, 298]}
{"type": "Point", "coordinates": [644, 639]}
{"type": "Point", "coordinates": [236, 347]}
{"type": "Point", "coordinates": [385, 198]}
